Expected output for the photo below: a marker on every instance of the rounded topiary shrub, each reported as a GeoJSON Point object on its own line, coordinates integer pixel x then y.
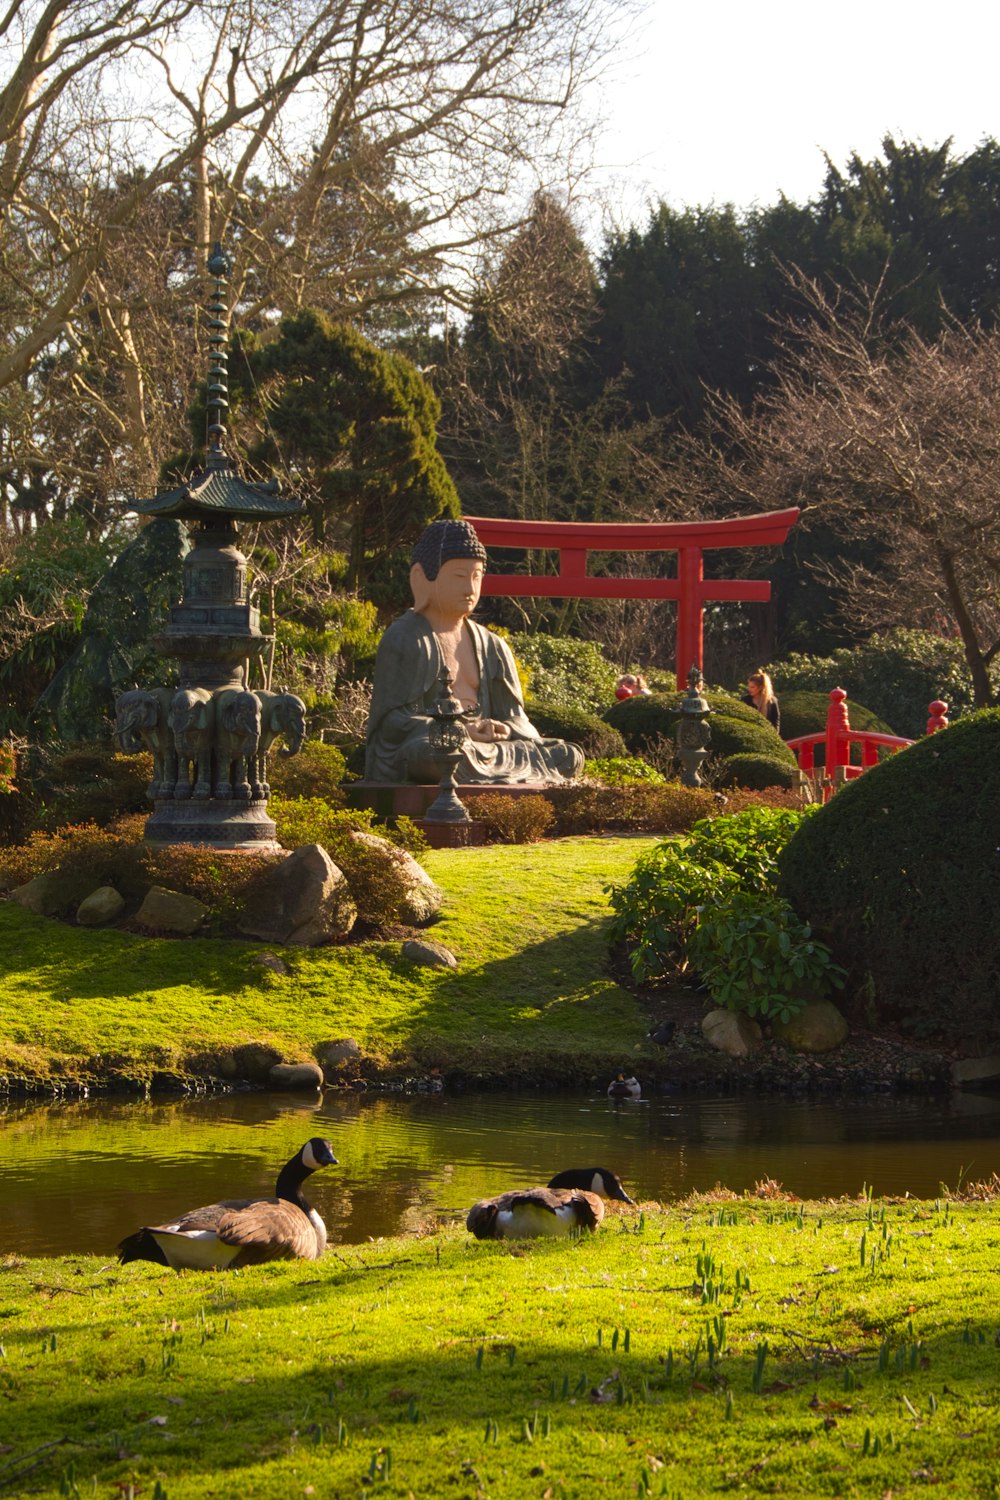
{"type": "Point", "coordinates": [556, 722]}
{"type": "Point", "coordinates": [804, 711]}
{"type": "Point", "coordinates": [756, 772]}
{"type": "Point", "coordinates": [737, 728]}
{"type": "Point", "coordinates": [899, 875]}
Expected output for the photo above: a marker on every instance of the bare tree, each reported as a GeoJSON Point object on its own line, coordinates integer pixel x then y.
{"type": "Point", "coordinates": [893, 440]}
{"type": "Point", "coordinates": [353, 153]}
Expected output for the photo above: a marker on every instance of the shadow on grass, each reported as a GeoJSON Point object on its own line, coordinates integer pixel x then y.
{"type": "Point", "coordinates": [558, 993]}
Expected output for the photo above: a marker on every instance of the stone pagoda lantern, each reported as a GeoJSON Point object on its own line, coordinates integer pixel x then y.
{"type": "Point", "coordinates": [694, 735]}
{"type": "Point", "coordinates": [210, 735]}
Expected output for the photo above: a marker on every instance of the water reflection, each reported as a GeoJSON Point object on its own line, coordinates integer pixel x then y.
{"type": "Point", "coordinates": [76, 1177]}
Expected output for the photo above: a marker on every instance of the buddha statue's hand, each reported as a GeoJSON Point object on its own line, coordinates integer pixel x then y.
{"type": "Point", "coordinates": [487, 731]}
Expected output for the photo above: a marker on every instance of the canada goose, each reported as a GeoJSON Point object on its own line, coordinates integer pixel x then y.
{"type": "Point", "coordinates": [242, 1231]}
{"type": "Point", "coordinates": [600, 1180]}
{"type": "Point", "coordinates": [624, 1088]}
{"type": "Point", "coordinates": [572, 1201]}
{"type": "Point", "coordinates": [530, 1213]}
{"type": "Point", "coordinates": [663, 1034]}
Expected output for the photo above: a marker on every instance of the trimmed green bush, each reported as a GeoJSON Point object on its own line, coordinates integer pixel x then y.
{"type": "Point", "coordinates": [737, 728]}
{"type": "Point", "coordinates": [91, 784]}
{"type": "Point", "coordinates": [623, 770]}
{"type": "Point", "coordinates": [513, 820]}
{"type": "Point", "coordinates": [557, 721]}
{"type": "Point", "coordinates": [629, 808]}
{"type": "Point", "coordinates": [899, 874]}
{"type": "Point", "coordinates": [755, 771]}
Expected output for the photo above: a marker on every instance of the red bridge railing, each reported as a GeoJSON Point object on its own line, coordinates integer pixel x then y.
{"type": "Point", "coordinates": [838, 737]}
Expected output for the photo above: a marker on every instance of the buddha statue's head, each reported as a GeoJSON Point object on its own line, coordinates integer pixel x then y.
{"type": "Point", "coordinates": [448, 563]}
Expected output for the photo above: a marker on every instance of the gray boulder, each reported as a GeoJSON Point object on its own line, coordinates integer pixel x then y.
{"type": "Point", "coordinates": [431, 955]}
{"type": "Point", "coordinates": [305, 900]}
{"type": "Point", "coordinates": [45, 895]}
{"type": "Point", "coordinates": [818, 1027]}
{"type": "Point", "coordinates": [101, 906]}
{"type": "Point", "coordinates": [731, 1032]}
{"type": "Point", "coordinates": [424, 899]}
{"type": "Point", "coordinates": [171, 911]}
{"type": "Point", "coordinates": [335, 1054]}
{"type": "Point", "coordinates": [303, 1075]}
{"type": "Point", "coordinates": [270, 961]}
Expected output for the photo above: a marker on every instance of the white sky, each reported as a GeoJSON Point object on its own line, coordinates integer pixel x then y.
{"type": "Point", "coordinates": [713, 101]}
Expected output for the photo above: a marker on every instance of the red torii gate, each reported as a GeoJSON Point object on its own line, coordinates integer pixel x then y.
{"type": "Point", "coordinates": [689, 539]}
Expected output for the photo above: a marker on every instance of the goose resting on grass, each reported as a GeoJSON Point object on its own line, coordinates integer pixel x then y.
{"type": "Point", "coordinates": [572, 1201]}
{"type": "Point", "coordinates": [242, 1231]}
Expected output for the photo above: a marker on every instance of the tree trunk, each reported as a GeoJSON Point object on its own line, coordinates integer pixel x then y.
{"type": "Point", "coordinates": [982, 690]}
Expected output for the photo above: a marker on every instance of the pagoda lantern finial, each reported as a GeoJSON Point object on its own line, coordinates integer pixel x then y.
{"type": "Point", "coordinates": [219, 268]}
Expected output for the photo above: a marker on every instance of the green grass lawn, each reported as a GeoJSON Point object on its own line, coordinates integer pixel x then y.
{"type": "Point", "coordinates": [532, 991]}
{"type": "Point", "coordinates": [742, 1346]}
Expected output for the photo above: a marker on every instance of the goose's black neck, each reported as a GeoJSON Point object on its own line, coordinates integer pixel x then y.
{"type": "Point", "coordinates": [290, 1179]}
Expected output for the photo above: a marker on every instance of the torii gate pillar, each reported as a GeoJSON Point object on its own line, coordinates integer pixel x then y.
{"type": "Point", "coordinates": [689, 539]}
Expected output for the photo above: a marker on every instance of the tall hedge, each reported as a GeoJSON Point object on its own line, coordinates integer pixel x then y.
{"type": "Point", "coordinates": [900, 874]}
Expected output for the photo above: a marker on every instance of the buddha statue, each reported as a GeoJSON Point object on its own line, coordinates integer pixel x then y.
{"type": "Point", "coordinates": [437, 636]}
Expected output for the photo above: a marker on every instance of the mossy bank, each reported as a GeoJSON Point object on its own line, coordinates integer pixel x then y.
{"type": "Point", "coordinates": [536, 998]}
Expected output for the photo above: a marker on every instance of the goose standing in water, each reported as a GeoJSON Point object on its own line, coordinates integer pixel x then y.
{"type": "Point", "coordinates": [242, 1231]}
{"type": "Point", "coordinates": [571, 1202]}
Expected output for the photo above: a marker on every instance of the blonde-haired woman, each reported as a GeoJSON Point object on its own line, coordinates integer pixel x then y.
{"type": "Point", "coordinates": [760, 695]}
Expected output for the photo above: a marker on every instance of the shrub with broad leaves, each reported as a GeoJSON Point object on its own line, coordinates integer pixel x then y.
{"type": "Point", "coordinates": [755, 955]}
{"type": "Point", "coordinates": [708, 903]}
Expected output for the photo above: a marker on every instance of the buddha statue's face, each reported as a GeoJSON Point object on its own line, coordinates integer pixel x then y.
{"type": "Point", "coordinates": [453, 594]}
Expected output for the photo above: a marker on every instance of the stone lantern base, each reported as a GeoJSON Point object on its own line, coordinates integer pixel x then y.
{"type": "Point", "coordinates": [222, 825]}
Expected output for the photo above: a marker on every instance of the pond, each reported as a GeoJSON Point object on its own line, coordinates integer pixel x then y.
{"type": "Point", "coordinates": [77, 1176]}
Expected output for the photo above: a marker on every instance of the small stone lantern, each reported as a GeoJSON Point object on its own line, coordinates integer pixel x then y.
{"type": "Point", "coordinates": [694, 734]}
{"type": "Point", "coordinates": [447, 736]}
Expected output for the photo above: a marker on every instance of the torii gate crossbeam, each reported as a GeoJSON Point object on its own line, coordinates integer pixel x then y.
{"type": "Point", "coordinates": [689, 539]}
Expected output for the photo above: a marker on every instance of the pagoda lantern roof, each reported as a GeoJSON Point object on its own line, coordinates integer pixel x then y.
{"type": "Point", "coordinates": [219, 493]}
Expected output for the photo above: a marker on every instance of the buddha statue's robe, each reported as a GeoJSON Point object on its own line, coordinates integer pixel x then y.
{"type": "Point", "coordinates": [407, 682]}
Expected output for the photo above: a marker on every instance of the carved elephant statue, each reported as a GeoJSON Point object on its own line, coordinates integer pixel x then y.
{"type": "Point", "coordinates": [143, 721]}
{"type": "Point", "coordinates": [284, 714]}
{"type": "Point", "coordinates": [237, 736]}
{"type": "Point", "coordinates": [193, 711]}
